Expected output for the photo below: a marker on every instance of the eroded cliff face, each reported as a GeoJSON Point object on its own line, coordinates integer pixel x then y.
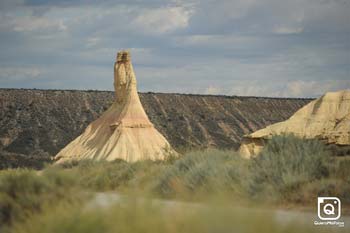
{"type": "Point", "coordinates": [326, 118]}
{"type": "Point", "coordinates": [36, 124]}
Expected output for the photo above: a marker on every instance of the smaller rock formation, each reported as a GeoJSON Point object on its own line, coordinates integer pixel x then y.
{"type": "Point", "coordinates": [326, 118]}
{"type": "Point", "coordinates": [124, 130]}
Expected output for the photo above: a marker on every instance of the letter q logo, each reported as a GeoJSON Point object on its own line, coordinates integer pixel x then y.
{"type": "Point", "coordinates": [328, 208]}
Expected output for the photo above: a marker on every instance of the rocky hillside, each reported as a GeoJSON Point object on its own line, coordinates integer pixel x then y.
{"type": "Point", "coordinates": [36, 124]}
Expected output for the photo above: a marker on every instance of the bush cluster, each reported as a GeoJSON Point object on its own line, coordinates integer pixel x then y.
{"type": "Point", "coordinates": [24, 192]}
{"type": "Point", "coordinates": [288, 170]}
{"type": "Point", "coordinates": [145, 217]}
{"type": "Point", "coordinates": [286, 163]}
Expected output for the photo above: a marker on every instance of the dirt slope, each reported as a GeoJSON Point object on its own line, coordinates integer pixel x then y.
{"type": "Point", "coordinates": [36, 124]}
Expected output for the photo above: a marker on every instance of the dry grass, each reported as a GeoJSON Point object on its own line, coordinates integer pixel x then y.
{"type": "Point", "coordinates": [289, 170]}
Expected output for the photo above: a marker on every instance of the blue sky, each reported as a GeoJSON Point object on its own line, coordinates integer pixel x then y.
{"type": "Point", "coordinates": [287, 48]}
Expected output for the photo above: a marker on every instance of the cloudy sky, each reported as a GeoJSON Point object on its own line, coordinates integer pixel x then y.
{"type": "Point", "coordinates": [288, 48]}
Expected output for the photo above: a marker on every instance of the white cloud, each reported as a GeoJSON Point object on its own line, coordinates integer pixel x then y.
{"type": "Point", "coordinates": [228, 41]}
{"type": "Point", "coordinates": [19, 73]}
{"type": "Point", "coordinates": [36, 23]}
{"type": "Point", "coordinates": [212, 90]}
{"type": "Point", "coordinates": [297, 88]}
{"type": "Point", "coordinates": [162, 20]}
{"type": "Point", "coordinates": [314, 88]}
{"type": "Point", "coordinates": [229, 47]}
{"type": "Point", "coordinates": [287, 30]}
{"type": "Point", "coordinates": [31, 23]}
{"type": "Point", "coordinates": [92, 41]}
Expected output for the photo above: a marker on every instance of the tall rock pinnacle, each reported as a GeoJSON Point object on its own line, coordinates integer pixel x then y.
{"type": "Point", "coordinates": [124, 130]}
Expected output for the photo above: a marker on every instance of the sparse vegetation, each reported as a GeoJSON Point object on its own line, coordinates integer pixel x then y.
{"type": "Point", "coordinates": [202, 173]}
{"type": "Point", "coordinates": [288, 170]}
{"type": "Point", "coordinates": [134, 217]}
{"type": "Point", "coordinates": [286, 164]}
{"type": "Point", "coordinates": [24, 192]}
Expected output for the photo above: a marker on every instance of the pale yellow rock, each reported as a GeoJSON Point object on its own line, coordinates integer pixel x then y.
{"type": "Point", "coordinates": [326, 118]}
{"type": "Point", "coordinates": [124, 130]}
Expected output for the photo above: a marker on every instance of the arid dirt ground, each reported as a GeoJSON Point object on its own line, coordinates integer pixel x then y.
{"type": "Point", "coordinates": [36, 124]}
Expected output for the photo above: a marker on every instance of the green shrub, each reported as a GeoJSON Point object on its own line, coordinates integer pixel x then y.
{"type": "Point", "coordinates": [340, 168]}
{"type": "Point", "coordinates": [200, 172]}
{"type": "Point", "coordinates": [287, 162]}
{"type": "Point", "coordinates": [145, 174]}
{"type": "Point", "coordinates": [135, 216]}
{"type": "Point", "coordinates": [23, 192]}
{"type": "Point", "coordinates": [338, 150]}
{"type": "Point", "coordinates": [116, 175]}
{"type": "Point", "coordinates": [102, 176]}
{"type": "Point", "coordinates": [327, 187]}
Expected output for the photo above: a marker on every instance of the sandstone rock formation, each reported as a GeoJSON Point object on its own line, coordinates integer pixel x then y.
{"type": "Point", "coordinates": [326, 118]}
{"type": "Point", "coordinates": [36, 124]}
{"type": "Point", "coordinates": [124, 130]}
